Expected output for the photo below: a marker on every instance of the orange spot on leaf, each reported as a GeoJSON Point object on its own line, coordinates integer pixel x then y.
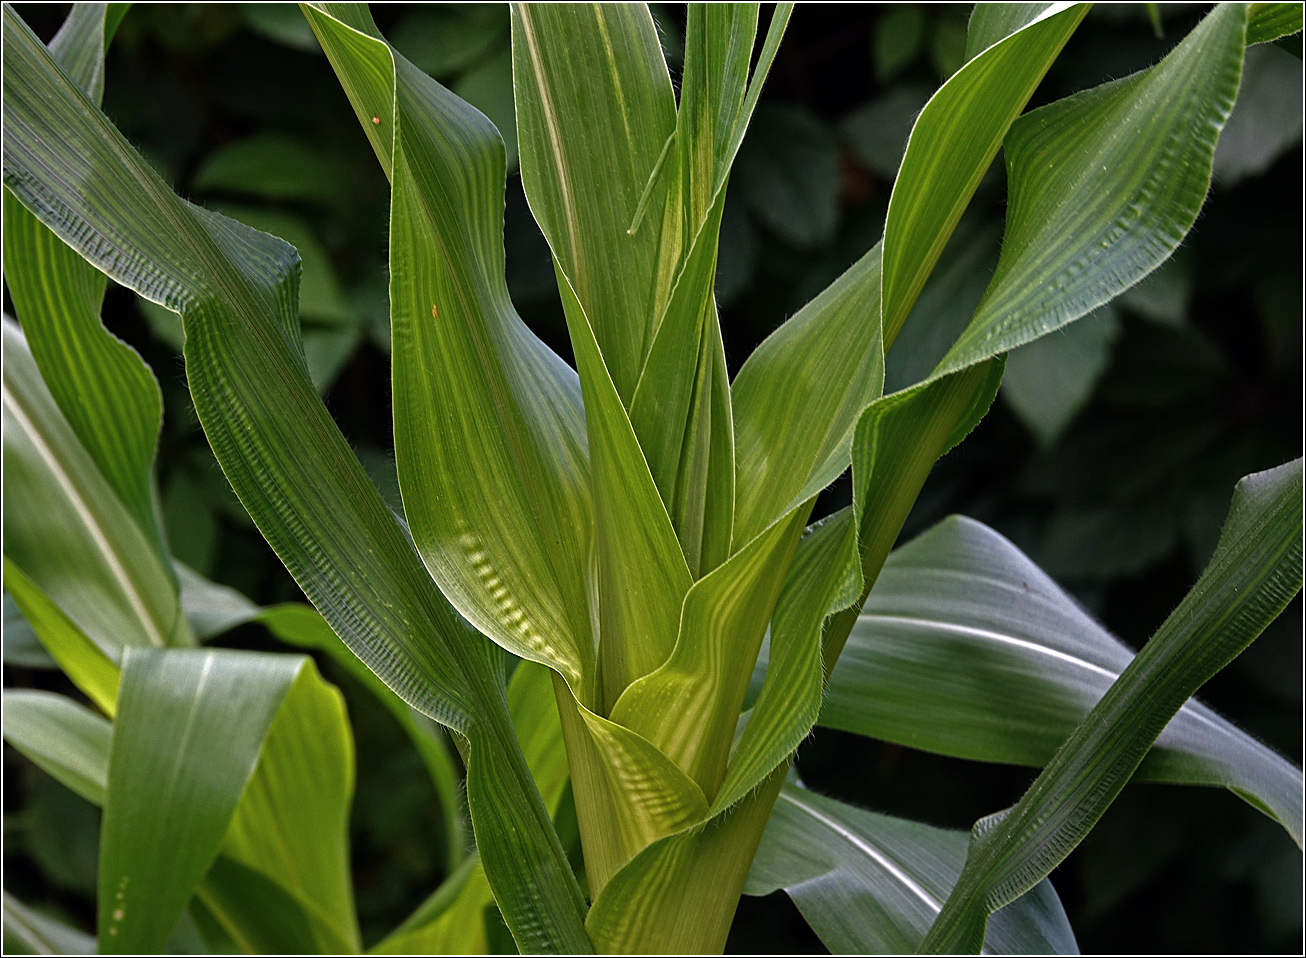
{"type": "Point", "coordinates": [376, 120]}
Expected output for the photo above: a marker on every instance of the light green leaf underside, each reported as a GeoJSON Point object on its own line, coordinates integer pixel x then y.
{"type": "Point", "coordinates": [872, 884]}
{"type": "Point", "coordinates": [1255, 571]}
{"type": "Point", "coordinates": [688, 708]}
{"type": "Point", "coordinates": [27, 931]}
{"type": "Point", "coordinates": [966, 648]}
{"type": "Point", "coordinates": [67, 740]}
{"type": "Point", "coordinates": [68, 529]}
{"type": "Point", "coordinates": [1103, 187]}
{"type": "Point", "coordinates": [950, 148]}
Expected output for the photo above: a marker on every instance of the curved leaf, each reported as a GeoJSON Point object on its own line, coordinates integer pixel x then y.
{"type": "Point", "coordinates": [872, 884]}
{"type": "Point", "coordinates": [954, 140]}
{"type": "Point", "coordinates": [1091, 211]}
{"type": "Point", "coordinates": [1254, 573]}
{"type": "Point", "coordinates": [967, 648]}
{"type": "Point", "coordinates": [67, 740]}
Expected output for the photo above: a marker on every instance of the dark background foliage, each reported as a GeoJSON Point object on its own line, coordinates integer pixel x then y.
{"type": "Point", "coordinates": [1109, 457]}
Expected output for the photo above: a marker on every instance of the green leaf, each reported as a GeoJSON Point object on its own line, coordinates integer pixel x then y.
{"type": "Point", "coordinates": [1254, 573]}
{"type": "Point", "coordinates": [872, 884]}
{"type": "Point", "coordinates": [67, 740]}
{"type": "Point", "coordinates": [102, 386]}
{"type": "Point", "coordinates": [67, 528]}
{"type": "Point", "coordinates": [580, 73]}
{"type": "Point", "coordinates": [1050, 380]}
{"type": "Point", "coordinates": [943, 659]}
{"type": "Point", "coordinates": [28, 932]}
{"type": "Point", "coordinates": [1090, 212]}
{"type": "Point", "coordinates": [488, 87]}
{"type": "Point", "coordinates": [1270, 21]}
{"type": "Point", "coordinates": [177, 713]}
{"type": "Point", "coordinates": [793, 431]}
{"type": "Point", "coordinates": [294, 472]}
{"type": "Point", "coordinates": [443, 42]}
{"type": "Point", "coordinates": [952, 144]}
{"type": "Point", "coordinates": [82, 660]}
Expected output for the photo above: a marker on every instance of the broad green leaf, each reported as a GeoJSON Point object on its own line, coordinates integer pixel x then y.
{"type": "Point", "coordinates": [67, 528]}
{"type": "Point", "coordinates": [1090, 212]}
{"type": "Point", "coordinates": [281, 881]}
{"type": "Point", "coordinates": [953, 142]}
{"type": "Point", "coordinates": [793, 432]}
{"type": "Point", "coordinates": [301, 626]}
{"type": "Point", "coordinates": [102, 386]}
{"type": "Point", "coordinates": [82, 660]}
{"type": "Point", "coordinates": [489, 431]}
{"type": "Point", "coordinates": [1254, 573]}
{"type": "Point", "coordinates": [872, 884]}
{"type": "Point", "coordinates": [177, 713]}
{"type": "Point", "coordinates": [213, 609]}
{"type": "Point", "coordinates": [286, 459]}
{"type": "Point", "coordinates": [967, 648]}
{"type": "Point", "coordinates": [28, 932]}
{"type": "Point", "coordinates": [581, 73]}
{"type": "Point", "coordinates": [67, 740]}
{"type": "Point", "coordinates": [490, 446]}
{"type": "Point", "coordinates": [292, 822]}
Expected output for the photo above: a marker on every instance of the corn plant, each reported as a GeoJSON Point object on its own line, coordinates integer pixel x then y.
{"type": "Point", "coordinates": [633, 534]}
